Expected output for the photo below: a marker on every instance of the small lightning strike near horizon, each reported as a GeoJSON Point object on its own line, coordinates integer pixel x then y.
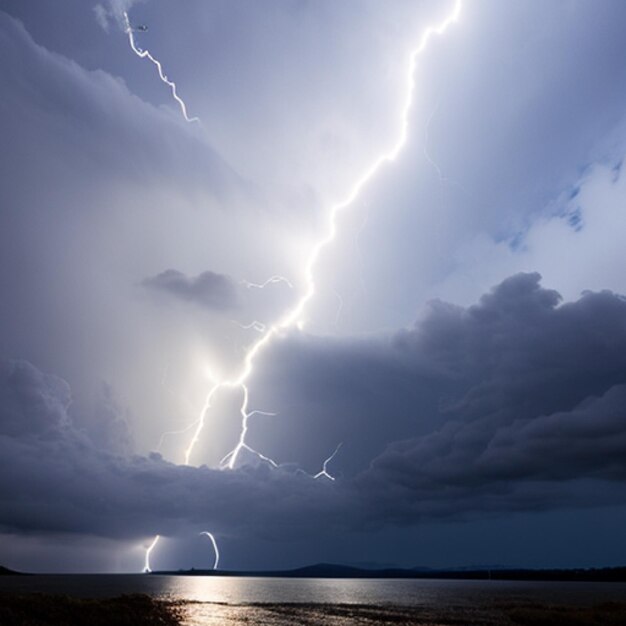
{"type": "Point", "coordinates": [146, 567]}
{"type": "Point", "coordinates": [216, 551]}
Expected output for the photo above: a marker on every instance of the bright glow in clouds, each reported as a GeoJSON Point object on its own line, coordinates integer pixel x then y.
{"type": "Point", "coordinates": [146, 567]}
{"type": "Point", "coordinates": [145, 54]}
{"type": "Point", "coordinates": [294, 316]}
{"type": "Point", "coordinates": [215, 549]}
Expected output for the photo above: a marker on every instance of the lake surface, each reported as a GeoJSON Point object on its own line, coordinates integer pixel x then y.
{"type": "Point", "coordinates": [247, 590]}
{"type": "Point", "coordinates": [221, 600]}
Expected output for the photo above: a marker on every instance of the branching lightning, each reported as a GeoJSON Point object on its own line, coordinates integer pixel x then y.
{"type": "Point", "coordinates": [254, 325]}
{"type": "Point", "coordinates": [145, 54]}
{"type": "Point", "coordinates": [426, 153]}
{"type": "Point", "coordinates": [216, 562]}
{"type": "Point", "coordinates": [324, 472]}
{"type": "Point", "coordinates": [146, 567]}
{"type": "Point", "coordinates": [340, 305]}
{"type": "Point", "coordinates": [293, 317]}
{"type": "Point", "coordinates": [272, 280]}
{"type": "Point", "coordinates": [172, 433]}
{"type": "Point", "coordinates": [443, 180]}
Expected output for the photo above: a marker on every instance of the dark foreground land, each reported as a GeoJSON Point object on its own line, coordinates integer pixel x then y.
{"type": "Point", "coordinates": [137, 610]}
{"type": "Point", "coordinates": [38, 609]}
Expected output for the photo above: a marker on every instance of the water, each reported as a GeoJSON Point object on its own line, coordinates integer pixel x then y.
{"type": "Point", "coordinates": [219, 600]}
{"type": "Point", "coordinates": [248, 590]}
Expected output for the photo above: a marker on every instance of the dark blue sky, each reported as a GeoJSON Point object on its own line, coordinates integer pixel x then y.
{"type": "Point", "coordinates": [466, 343]}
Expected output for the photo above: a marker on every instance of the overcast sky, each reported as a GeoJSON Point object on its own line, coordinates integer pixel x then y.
{"type": "Point", "coordinates": [466, 343]}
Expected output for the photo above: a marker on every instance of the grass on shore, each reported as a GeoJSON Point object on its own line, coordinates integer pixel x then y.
{"type": "Point", "coordinates": [37, 609]}
{"type": "Point", "coordinates": [607, 614]}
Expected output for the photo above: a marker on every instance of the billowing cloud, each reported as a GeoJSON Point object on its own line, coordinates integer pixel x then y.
{"type": "Point", "coordinates": [62, 481]}
{"type": "Point", "coordinates": [537, 421]}
{"type": "Point", "coordinates": [500, 397]}
{"type": "Point", "coordinates": [33, 403]}
{"type": "Point", "coordinates": [208, 289]}
{"type": "Point", "coordinates": [540, 401]}
{"type": "Point", "coordinates": [512, 404]}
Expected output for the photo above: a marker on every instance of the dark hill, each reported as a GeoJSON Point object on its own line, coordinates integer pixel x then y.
{"type": "Point", "coordinates": [5, 571]}
{"type": "Point", "coordinates": [329, 570]}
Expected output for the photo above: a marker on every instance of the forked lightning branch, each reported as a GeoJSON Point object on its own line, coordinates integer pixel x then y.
{"type": "Point", "coordinates": [292, 317]}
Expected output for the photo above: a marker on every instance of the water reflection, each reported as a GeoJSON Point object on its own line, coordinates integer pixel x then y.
{"type": "Point", "coordinates": [213, 600]}
{"type": "Point", "coordinates": [247, 590]}
{"type": "Point", "coordinates": [231, 590]}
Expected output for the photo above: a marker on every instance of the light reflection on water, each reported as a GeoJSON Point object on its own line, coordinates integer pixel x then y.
{"type": "Point", "coordinates": [246, 590]}
{"type": "Point", "coordinates": [296, 590]}
{"type": "Point", "coordinates": [388, 591]}
{"type": "Point", "coordinates": [279, 602]}
{"type": "Point", "coordinates": [218, 600]}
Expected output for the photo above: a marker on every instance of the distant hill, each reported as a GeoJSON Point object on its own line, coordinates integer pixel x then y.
{"type": "Point", "coordinates": [330, 570]}
{"type": "Point", "coordinates": [5, 571]}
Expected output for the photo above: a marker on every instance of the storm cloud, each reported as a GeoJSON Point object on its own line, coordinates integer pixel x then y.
{"type": "Point", "coordinates": [210, 290]}
{"type": "Point", "coordinates": [130, 243]}
{"type": "Point", "coordinates": [538, 421]}
{"type": "Point", "coordinates": [490, 388]}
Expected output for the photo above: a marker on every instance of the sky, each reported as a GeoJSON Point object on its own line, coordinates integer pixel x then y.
{"type": "Point", "coordinates": [463, 352]}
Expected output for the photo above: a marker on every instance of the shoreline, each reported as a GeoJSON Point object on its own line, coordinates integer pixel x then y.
{"type": "Point", "coordinates": [38, 609]}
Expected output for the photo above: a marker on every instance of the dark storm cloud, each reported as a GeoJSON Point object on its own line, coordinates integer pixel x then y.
{"type": "Point", "coordinates": [520, 353]}
{"type": "Point", "coordinates": [543, 401]}
{"type": "Point", "coordinates": [514, 402]}
{"type": "Point", "coordinates": [208, 289]}
{"type": "Point", "coordinates": [33, 403]}
{"type": "Point", "coordinates": [56, 479]}
{"type": "Point", "coordinates": [537, 421]}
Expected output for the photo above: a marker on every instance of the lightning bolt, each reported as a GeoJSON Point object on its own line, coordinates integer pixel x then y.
{"type": "Point", "coordinates": [231, 458]}
{"type": "Point", "coordinates": [146, 567]}
{"type": "Point", "coordinates": [324, 473]}
{"type": "Point", "coordinates": [254, 325]}
{"type": "Point", "coordinates": [443, 180]}
{"type": "Point", "coordinates": [215, 548]}
{"type": "Point", "coordinates": [426, 153]}
{"type": "Point", "coordinates": [172, 433]}
{"type": "Point", "coordinates": [272, 280]}
{"type": "Point", "coordinates": [293, 317]}
{"type": "Point", "coordinates": [340, 305]}
{"type": "Point", "coordinates": [145, 54]}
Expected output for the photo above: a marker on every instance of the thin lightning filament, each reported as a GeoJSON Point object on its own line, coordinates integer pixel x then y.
{"type": "Point", "coordinates": [293, 317]}
{"type": "Point", "coordinates": [145, 54]}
